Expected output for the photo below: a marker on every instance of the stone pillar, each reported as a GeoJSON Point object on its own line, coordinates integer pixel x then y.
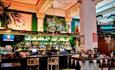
{"type": "Point", "coordinates": [40, 17]}
{"type": "Point", "coordinates": [68, 22]}
{"type": "Point", "coordinates": [88, 27]}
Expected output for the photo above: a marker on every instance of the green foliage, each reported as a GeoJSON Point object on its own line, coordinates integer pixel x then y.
{"type": "Point", "coordinates": [58, 20]}
{"type": "Point", "coordinates": [56, 23]}
{"type": "Point", "coordinates": [72, 41]}
{"type": "Point", "coordinates": [7, 16]}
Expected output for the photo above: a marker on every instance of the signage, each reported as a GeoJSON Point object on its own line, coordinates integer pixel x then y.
{"type": "Point", "coordinates": [106, 27]}
{"type": "Point", "coordinates": [46, 38]}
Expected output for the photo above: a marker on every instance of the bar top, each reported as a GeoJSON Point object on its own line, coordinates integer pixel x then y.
{"type": "Point", "coordinates": [35, 56]}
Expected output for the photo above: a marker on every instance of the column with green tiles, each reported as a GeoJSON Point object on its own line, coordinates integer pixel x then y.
{"type": "Point", "coordinates": [34, 22]}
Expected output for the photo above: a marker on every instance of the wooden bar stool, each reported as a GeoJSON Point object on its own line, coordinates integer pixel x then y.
{"type": "Point", "coordinates": [53, 61]}
{"type": "Point", "coordinates": [33, 62]}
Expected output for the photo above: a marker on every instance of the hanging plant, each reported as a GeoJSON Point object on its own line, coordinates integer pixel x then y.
{"type": "Point", "coordinates": [60, 23]}
{"type": "Point", "coordinates": [6, 15]}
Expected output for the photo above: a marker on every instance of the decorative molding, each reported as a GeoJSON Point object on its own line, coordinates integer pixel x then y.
{"type": "Point", "coordinates": [40, 15]}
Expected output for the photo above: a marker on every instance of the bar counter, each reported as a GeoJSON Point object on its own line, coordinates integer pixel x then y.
{"type": "Point", "coordinates": [63, 60]}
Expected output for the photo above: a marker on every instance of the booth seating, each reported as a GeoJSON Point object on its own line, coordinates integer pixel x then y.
{"type": "Point", "coordinates": [53, 63]}
{"type": "Point", "coordinates": [33, 64]}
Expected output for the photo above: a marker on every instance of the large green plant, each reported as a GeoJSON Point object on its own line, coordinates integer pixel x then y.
{"type": "Point", "coordinates": [6, 15]}
{"type": "Point", "coordinates": [59, 21]}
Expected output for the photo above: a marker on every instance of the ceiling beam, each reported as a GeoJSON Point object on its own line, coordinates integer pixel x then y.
{"type": "Point", "coordinates": [22, 6]}
{"type": "Point", "coordinates": [43, 5]}
{"type": "Point", "coordinates": [74, 10]}
{"type": "Point", "coordinates": [55, 12]}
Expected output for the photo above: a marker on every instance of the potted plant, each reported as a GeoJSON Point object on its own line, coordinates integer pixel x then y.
{"type": "Point", "coordinates": [6, 15]}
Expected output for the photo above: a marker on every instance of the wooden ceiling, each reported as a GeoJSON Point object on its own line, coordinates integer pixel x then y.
{"type": "Point", "coordinates": [51, 7]}
{"type": "Point", "coordinates": [64, 4]}
{"type": "Point", "coordinates": [33, 2]}
{"type": "Point", "coordinates": [45, 6]}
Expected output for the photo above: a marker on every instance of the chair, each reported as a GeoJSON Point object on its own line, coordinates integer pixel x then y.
{"type": "Point", "coordinates": [53, 61]}
{"type": "Point", "coordinates": [103, 65]}
{"type": "Point", "coordinates": [33, 62]}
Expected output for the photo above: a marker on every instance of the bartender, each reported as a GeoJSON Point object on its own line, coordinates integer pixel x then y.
{"type": "Point", "coordinates": [34, 50]}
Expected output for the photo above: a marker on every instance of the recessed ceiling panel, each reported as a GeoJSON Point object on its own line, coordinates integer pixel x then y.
{"type": "Point", "coordinates": [64, 4]}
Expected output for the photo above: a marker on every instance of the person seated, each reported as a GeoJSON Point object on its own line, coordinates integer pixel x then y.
{"type": "Point", "coordinates": [17, 54]}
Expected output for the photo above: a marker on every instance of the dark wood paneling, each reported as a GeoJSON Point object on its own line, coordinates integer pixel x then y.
{"type": "Point", "coordinates": [103, 47]}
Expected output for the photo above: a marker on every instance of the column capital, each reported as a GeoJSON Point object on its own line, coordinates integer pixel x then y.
{"type": "Point", "coordinates": [40, 15]}
{"type": "Point", "coordinates": [43, 5]}
{"type": "Point", "coordinates": [68, 19]}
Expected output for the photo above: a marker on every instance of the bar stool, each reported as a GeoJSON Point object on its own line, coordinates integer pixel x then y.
{"type": "Point", "coordinates": [103, 65]}
{"type": "Point", "coordinates": [33, 62]}
{"type": "Point", "coordinates": [53, 61]}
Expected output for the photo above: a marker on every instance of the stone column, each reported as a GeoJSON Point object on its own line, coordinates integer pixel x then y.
{"type": "Point", "coordinates": [40, 17]}
{"type": "Point", "coordinates": [88, 27]}
{"type": "Point", "coordinates": [68, 22]}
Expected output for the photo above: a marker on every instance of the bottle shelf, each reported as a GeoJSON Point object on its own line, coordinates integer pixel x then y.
{"type": "Point", "coordinates": [23, 32]}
